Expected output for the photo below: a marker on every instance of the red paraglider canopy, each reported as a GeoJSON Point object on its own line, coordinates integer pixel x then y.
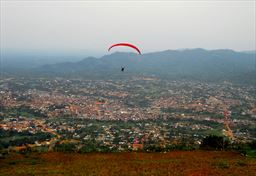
{"type": "Point", "coordinates": [125, 44]}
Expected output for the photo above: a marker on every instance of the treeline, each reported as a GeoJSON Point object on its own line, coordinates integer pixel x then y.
{"type": "Point", "coordinates": [20, 111]}
{"type": "Point", "coordinates": [212, 142]}
{"type": "Point", "coordinates": [14, 138]}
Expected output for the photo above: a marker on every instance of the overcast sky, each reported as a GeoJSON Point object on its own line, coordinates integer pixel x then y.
{"type": "Point", "coordinates": [152, 26]}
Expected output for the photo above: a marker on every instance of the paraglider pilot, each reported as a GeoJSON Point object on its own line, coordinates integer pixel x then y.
{"type": "Point", "coordinates": [122, 69]}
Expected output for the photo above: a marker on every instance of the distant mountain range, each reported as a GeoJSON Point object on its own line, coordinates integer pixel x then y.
{"type": "Point", "coordinates": [250, 52]}
{"type": "Point", "coordinates": [198, 64]}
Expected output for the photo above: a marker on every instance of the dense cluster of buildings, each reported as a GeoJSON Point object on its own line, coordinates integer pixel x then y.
{"type": "Point", "coordinates": [125, 100]}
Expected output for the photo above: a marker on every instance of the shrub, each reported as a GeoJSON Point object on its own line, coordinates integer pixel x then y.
{"type": "Point", "coordinates": [241, 163]}
{"type": "Point", "coordinates": [215, 142]}
{"type": "Point", "coordinates": [222, 164]}
{"type": "Point", "coordinates": [253, 145]}
{"type": "Point", "coordinates": [68, 147]}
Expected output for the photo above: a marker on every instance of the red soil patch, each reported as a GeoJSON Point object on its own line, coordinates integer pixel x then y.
{"type": "Point", "coordinates": [190, 163]}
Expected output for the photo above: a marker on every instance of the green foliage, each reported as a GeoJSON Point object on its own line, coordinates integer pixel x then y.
{"type": "Point", "coordinates": [26, 152]}
{"type": "Point", "coordinates": [40, 149]}
{"type": "Point", "coordinates": [222, 164]}
{"type": "Point", "coordinates": [213, 142]}
{"type": "Point", "coordinates": [153, 148]}
{"type": "Point", "coordinates": [241, 163]}
{"type": "Point", "coordinates": [88, 149]}
{"type": "Point", "coordinates": [14, 138]}
{"type": "Point", "coordinates": [253, 145]}
{"type": "Point", "coordinates": [66, 147]}
{"type": "Point", "coordinates": [247, 149]}
{"type": "Point", "coordinates": [158, 148]}
{"type": "Point", "coordinates": [12, 162]}
{"type": "Point", "coordinates": [89, 146]}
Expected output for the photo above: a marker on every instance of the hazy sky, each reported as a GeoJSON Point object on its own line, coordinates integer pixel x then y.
{"type": "Point", "coordinates": [153, 26]}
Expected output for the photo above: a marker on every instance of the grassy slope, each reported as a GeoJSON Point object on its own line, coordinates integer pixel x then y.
{"type": "Point", "coordinates": [171, 163]}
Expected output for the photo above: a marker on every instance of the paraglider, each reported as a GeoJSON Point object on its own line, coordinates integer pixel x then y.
{"type": "Point", "coordinates": [125, 44]}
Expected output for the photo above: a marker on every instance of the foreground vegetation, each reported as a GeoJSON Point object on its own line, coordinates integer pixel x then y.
{"type": "Point", "coordinates": [129, 163]}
